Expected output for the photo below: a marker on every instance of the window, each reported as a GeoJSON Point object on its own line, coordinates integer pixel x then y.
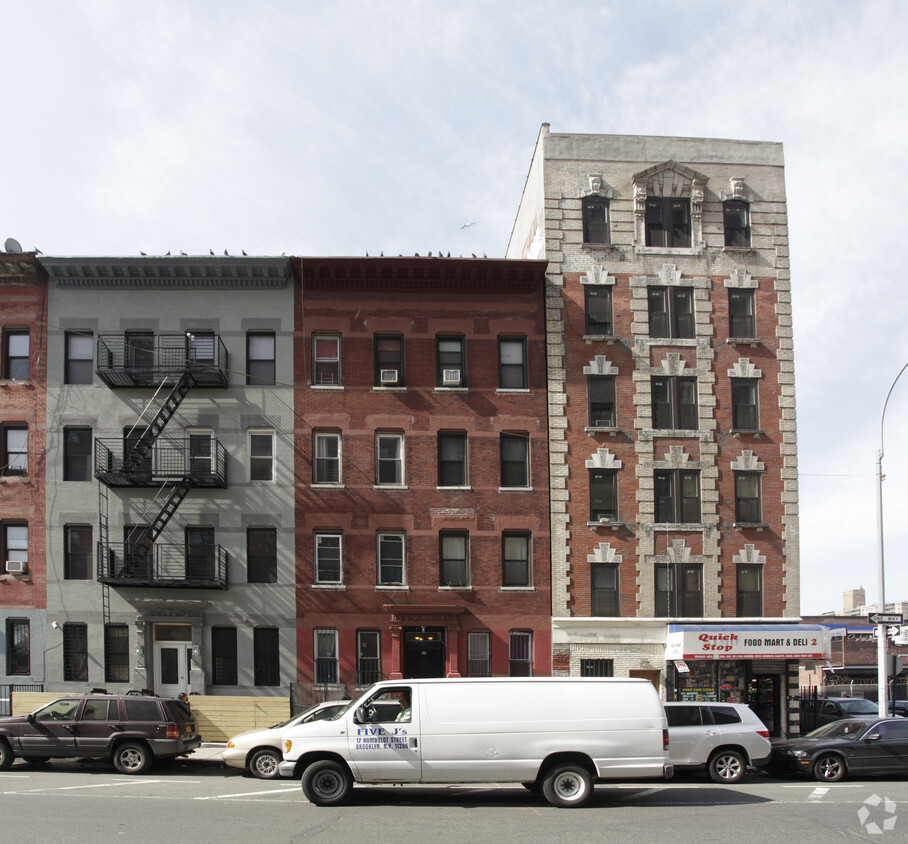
{"type": "Point", "coordinates": [741, 323]}
{"type": "Point", "coordinates": [200, 347]}
{"type": "Point", "coordinates": [601, 391]}
{"type": "Point", "coordinates": [604, 595]}
{"type": "Point", "coordinates": [453, 570]}
{"type": "Point", "coordinates": [266, 656]}
{"type": "Point", "coordinates": [598, 310]}
{"type": "Point", "coordinates": [16, 354]}
{"type": "Point", "coordinates": [520, 653]}
{"type": "Point", "coordinates": [15, 450]}
{"type": "Point", "coordinates": [201, 454]}
{"type": "Point", "coordinates": [595, 219]}
{"type": "Point", "coordinates": [368, 657]}
{"type": "Point", "coordinates": [18, 647]}
{"type": "Point", "coordinates": [77, 552]}
{"type": "Point", "coordinates": [325, 656]}
{"type": "Point", "coordinates": [603, 495]}
{"type": "Point", "coordinates": [140, 354]}
{"type": "Point", "coordinates": [77, 454]}
{"type": "Point", "coordinates": [512, 367]}
{"type": "Point", "coordinates": [389, 360]}
{"type": "Point", "coordinates": [328, 558]}
{"type": "Point", "coordinates": [15, 546]}
{"type": "Point", "coordinates": [515, 560]}
{"type": "Point", "coordinates": [747, 498]}
{"type": "Point", "coordinates": [391, 558]}
{"type": "Point", "coordinates": [201, 553]}
{"type": "Point", "coordinates": [260, 359]}
{"type": "Point", "coordinates": [78, 368]}
{"type": "Point", "coordinates": [750, 591]}
{"type": "Point", "coordinates": [223, 656]}
{"type": "Point", "coordinates": [515, 463]}
{"type": "Point", "coordinates": [452, 459]}
{"type": "Point", "coordinates": [326, 360]}
{"type": "Point", "coordinates": [671, 312]}
{"type": "Point", "coordinates": [116, 653]}
{"type": "Point", "coordinates": [667, 222]}
{"type": "Point", "coordinates": [450, 362]}
{"type": "Point", "coordinates": [261, 555]}
{"type": "Point", "coordinates": [679, 591]}
{"type": "Point", "coordinates": [597, 668]}
{"type": "Point", "coordinates": [479, 655]}
{"type": "Point", "coordinates": [744, 413]}
{"type": "Point", "coordinates": [75, 651]}
{"type": "Point", "coordinates": [327, 458]}
{"type": "Point", "coordinates": [677, 496]}
{"type": "Point", "coordinates": [736, 215]}
{"type": "Point", "coordinates": [389, 459]}
{"type": "Point", "coordinates": [261, 455]}
{"type": "Point", "coordinates": [674, 403]}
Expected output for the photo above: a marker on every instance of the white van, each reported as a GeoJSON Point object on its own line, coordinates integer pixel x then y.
{"type": "Point", "coordinates": [556, 735]}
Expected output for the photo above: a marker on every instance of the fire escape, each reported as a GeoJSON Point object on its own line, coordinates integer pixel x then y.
{"type": "Point", "coordinates": [172, 365]}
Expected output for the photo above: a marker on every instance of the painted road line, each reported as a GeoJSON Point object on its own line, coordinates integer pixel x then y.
{"type": "Point", "coordinates": [78, 787]}
{"type": "Point", "coordinates": [817, 795]}
{"type": "Point", "coordinates": [285, 790]}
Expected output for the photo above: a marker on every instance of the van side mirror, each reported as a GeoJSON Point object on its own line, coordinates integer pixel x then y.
{"type": "Point", "coordinates": [30, 717]}
{"type": "Point", "coordinates": [361, 716]}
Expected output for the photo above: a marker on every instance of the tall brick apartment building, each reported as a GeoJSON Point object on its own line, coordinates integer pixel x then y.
{"type": "Point", "coordinates": [422, 529]}
{"type": "Point", "coordinates": [671, 412]}
{"type": "Point", "coordinates": [22, 490]}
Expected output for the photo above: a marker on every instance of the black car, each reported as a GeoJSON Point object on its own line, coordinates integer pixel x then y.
{"type": "Point", "coordinates": [850, 746]}
{"type": "Point", "coordinates": [130, 730]}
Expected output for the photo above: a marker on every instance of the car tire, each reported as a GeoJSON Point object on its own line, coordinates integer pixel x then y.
{"type": "Point", "coordinates": [327, 783]}
{"type": "Point", "coordinates": [567, 786]}
{"type": "Point", "coordinates": [830, 767]}
{"type": "Point", "coordinates": [6, 756]}
{"type": "Point", "coordinates": [132, 758]}
{"type": "Point", "coordinates": [727, 767]}
{"type": "Point", "coordinates": [263, 764]}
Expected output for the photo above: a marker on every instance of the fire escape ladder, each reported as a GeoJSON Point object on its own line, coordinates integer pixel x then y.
{"type": "Point", "coordinates": [177, 494]}
{"type": "Point", "coordinates": [140, 449]}
{"type": "Point", "coordinates": [103, 550]}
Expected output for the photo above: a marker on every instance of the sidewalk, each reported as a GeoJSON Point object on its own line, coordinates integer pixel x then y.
{"type": "Point", "coordinates": [211, 753]}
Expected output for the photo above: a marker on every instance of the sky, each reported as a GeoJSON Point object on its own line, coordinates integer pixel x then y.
{"type": "Point", "coordinates": [345, 128]}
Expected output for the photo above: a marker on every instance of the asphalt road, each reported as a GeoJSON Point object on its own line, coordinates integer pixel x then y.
{"type": "Point", "coordinates": [183, 802]}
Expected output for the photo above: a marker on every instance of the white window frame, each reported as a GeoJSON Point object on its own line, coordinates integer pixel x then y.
{"type": "Point", "coordinates": [327, 436]}
{"type": "Point", "coordinates": [316, 360]}
{"type": "Point", "coordinates": [261, 432]}
{"type": "Point", "coordinates": [399, 460]}
{"type": "Point", "coordinates": [316, 573]}
{"type": "Point", "coordinates": [388, 534]}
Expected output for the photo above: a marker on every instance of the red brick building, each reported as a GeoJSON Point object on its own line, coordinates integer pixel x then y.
{"type": "Point", "coordinates": [23, 309]}
{"type": "Point", "coordinates": [421, 469]}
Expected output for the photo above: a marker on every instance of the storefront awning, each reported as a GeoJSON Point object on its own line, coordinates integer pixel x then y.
{"type": "Point", "coordinates": [747, 641]}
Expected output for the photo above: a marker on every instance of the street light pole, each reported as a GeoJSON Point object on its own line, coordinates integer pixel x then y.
{"type": "Point", "coordinates": [882, 638]}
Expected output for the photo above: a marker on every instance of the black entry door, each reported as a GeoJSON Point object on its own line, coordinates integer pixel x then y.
{"type": "Point", "coordinates": [424, 652]}
{"type": "Point", "coordinates": [764, 701]}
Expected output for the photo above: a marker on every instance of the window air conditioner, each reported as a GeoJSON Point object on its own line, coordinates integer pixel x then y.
{"type": "Point", "coordinates": [389, 376]}
{"type": "Point", "coordinates": [16, 567]}
{"type": "Point", "coordinates": [450, 378]}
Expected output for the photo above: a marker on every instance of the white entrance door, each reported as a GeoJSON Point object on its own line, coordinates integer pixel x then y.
{"type": "Point", "coordinates": [172, 658]}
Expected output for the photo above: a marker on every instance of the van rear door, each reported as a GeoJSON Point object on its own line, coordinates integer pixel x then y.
{"type": "Point", "coordinates": [383, 739]}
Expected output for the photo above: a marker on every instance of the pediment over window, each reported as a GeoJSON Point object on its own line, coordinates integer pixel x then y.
{"type": "Point", "coordinates": [671, 179]}
{"type": "Point", "coordinates": [749, 556]}
{"type": "Point", "coordinates": [743, 368]}
{"type": "Point", "coordinates": [604, 553]}
{"type": "Point", "coordinates": [674, 223]}
{"type": "Point", "coordinates": [603, 459]}
{"type": "Point", "coordinates": [600, 365]}
{"type": "Point", "coordinates": [747, 462]}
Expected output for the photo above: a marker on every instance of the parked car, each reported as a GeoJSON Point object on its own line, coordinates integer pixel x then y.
{"type": "Point", "coordinates": [845, 747]}
{"type": "Point", "coordinates": [829, 709]}
{"type": "Point", "coordinates": [259, 751]}
{"type": "Point", "coordinates": [898, 707]}
{"type": "Point", "coordinates": [130, 730]}
{"type": "Point", "coordinates": [723, 738]}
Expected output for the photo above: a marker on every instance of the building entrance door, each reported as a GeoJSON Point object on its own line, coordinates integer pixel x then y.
{"type": "Point", "coordinates": [424, 652]}
{"type": "Point", "coordinates": [764, 701]}
{"type": "Point", "coordinates": [172, 658]}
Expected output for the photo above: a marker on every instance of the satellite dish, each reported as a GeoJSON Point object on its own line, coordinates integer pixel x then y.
{"type": "Point", "coordinates": [12, 245]}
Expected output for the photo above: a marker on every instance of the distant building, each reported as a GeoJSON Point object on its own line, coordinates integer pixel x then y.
{"type": "Point", "coordinates": [422, 527]}
{"type": "Point", "coordinates": [23, 360]}
{"type": "Point", "coordinates": [673, 453]}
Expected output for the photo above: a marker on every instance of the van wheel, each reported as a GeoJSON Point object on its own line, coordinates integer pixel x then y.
{"type": "Point", "coordinates": [727, 766]}
{"type": "Point", "coordinates": [132, 758]}
{"type": "Point", "coordinates": [567, 786]}
{"type": "Point", "coordinates": [6, 756]}
{"type": "Point", "coordinates": [326, 783]}
{"type": "Point", "coordinates": [829, 768]}
{"type": "Point", "coordinates": [263, 764]}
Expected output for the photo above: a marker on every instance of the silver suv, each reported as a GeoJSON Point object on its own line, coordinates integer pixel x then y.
{"type": "Point", "coordinates": [725, 738]}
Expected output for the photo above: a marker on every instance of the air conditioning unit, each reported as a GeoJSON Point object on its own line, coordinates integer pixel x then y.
{"type": "Point", "coordinates": [450, 378]}
{"type": "Point", "coordinates": [16, 567]}
{"type": "Point", "coordinates": [606, 520]}
{"type": "Point", "coordinates": [389, 376]}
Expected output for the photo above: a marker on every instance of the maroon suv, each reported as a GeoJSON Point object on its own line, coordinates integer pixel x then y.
{"type": "Point", "coordinates": [131, 731]}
